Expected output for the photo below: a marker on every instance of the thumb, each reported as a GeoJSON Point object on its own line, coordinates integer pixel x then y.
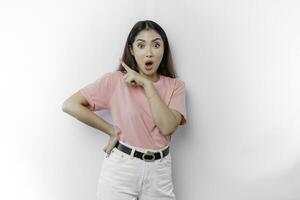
{"type": "Point", "coordinates": [108, 150]}
{"type": "Point", "coordinates": [105, 149]}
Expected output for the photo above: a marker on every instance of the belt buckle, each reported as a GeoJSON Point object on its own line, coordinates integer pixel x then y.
{"type": "Point", "coordinates": [148, 153]}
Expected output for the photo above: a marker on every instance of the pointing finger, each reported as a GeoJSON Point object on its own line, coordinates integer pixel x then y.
{"type": "Point", "coordinates": [125, 66]}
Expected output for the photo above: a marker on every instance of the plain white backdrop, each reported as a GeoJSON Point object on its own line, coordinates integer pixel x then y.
{"type": "Point", "coordinates": [240, 62]}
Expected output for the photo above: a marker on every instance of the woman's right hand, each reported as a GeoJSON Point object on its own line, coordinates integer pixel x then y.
{"type": "Point", "coordinates": [113, 139]}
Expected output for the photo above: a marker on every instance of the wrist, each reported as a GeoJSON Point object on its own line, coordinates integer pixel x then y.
{"type": "Point", "coordinates": [147, 83]}
{"type": "Point", "coordinates": [115, 131]}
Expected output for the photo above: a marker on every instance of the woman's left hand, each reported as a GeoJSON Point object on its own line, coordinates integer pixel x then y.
{"type": "Point", "coordinates": [132, 77]}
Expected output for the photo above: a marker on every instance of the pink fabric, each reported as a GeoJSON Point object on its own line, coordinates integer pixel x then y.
{"type": "Point", "coordinates": [130, 109]}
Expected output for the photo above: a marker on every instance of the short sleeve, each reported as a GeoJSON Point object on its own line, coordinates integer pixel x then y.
{"type": "Point", "coordinates": [99, 92]}
{"type": "Point", "coordinates": [177, 101]}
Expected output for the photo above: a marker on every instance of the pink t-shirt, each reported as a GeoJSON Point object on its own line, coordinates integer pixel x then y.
{"type": "Point", "coordinates": [130, 109]}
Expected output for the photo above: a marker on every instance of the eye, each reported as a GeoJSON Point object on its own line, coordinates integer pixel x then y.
{"type": "Point", "coordinates": [140, 45]}
{"type": "Point", "coordinates": [157, 45]}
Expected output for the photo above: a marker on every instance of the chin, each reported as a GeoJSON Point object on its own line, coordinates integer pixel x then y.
{"type": "Point", "coordinates": [149, 72]}
{"type": "Point", "coordinates": [153, 71]}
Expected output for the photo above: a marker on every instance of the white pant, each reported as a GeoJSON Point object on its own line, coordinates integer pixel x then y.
{"type": "Point", "coordinates": [124, 177]}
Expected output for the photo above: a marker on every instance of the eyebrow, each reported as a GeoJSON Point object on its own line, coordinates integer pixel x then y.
{"type": "Point", "coordinates": [152, 40]}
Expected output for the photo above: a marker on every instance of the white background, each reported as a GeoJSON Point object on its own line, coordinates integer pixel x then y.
{"type": "Point", "coordinates": [240, 62]}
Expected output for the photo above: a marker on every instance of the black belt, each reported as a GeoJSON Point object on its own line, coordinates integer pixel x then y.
{"type": "Point", "coordinates": [148, 156]}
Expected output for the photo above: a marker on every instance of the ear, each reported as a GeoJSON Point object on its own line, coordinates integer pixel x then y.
{"type": "Point", "coordinates": [131, 50]}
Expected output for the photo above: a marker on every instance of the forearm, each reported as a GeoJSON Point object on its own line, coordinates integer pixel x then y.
{"type": "Point", "coordinates": [88, 117]}
{"type": "Point", "coordinates": [163, 116]}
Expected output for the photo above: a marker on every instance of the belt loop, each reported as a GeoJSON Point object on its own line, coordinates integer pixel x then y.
{"type": "Point", "coordinates": [132, 153]}
{"type": "Point", "coordinates": [161, 155]}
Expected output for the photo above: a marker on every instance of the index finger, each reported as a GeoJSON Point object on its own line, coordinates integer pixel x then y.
{"type": "Point", "coordinates": [125, 66]}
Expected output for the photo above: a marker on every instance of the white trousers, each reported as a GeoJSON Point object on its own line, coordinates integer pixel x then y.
{"type": "Point", "coordinates": [124, 177]}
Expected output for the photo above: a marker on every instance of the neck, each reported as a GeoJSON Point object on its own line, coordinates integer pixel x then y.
{"type": "Point", "coordinates": [152, 77]}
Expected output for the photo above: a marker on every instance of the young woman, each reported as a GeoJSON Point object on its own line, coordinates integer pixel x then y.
{"type": "Point", "coordinates": [147, 103]}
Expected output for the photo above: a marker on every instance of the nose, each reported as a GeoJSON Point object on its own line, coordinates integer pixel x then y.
{"type": "Point", "coordinates": [149, 52]}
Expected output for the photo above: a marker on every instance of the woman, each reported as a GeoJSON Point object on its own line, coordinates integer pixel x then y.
{"type": "Point", "coordinates": [147, 103]}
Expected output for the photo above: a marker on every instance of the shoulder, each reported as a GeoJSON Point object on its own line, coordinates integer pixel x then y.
{"type": "Point", "coordinates": [112, 76]}
{"type": "Point", "coordinates": [108, 79]}
{"type": "Point", "coordinates": [180, 82]}
{"type": "Point", "coordinates": [116, 75]}
{"type": "Point", "coordinates": [175, 82]}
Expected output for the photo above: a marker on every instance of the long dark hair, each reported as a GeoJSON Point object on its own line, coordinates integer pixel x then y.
{"type": "Point", "coordinates": [166, 67]}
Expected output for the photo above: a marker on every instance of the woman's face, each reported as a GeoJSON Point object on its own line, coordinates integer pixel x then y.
{"type": "Point", "coordinates": [148, 47]}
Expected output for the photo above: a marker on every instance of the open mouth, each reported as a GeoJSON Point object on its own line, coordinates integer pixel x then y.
{"type": "Point", "coordinates": [149, 65]}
